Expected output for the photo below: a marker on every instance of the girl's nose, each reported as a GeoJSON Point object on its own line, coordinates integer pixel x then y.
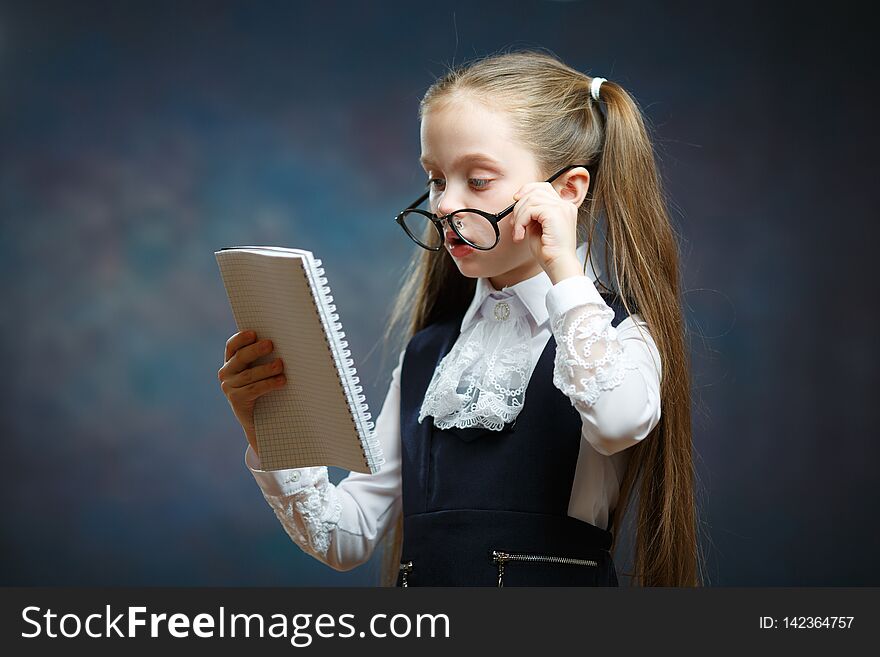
{"type": "Point", "coordinates": [448, 204]}
{"type": "Point", "coordinates": [444, 209]}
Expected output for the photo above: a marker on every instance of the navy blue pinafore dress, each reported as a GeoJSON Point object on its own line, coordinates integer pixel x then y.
{"type": "Point", "coordinates": [489, 508]}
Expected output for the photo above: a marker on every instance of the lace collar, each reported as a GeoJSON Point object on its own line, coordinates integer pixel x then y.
{"type": "Point", "coordinates": [482, 381]}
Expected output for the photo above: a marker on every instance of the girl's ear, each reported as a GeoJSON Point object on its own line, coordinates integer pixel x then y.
{"type": "Point", "coordinates": [573, 186]}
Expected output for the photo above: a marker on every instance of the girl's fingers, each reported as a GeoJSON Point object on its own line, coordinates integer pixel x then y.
{"type": "Point", "coordinates": [254, 374]}
{"type": "Point", "coordinates": [530, 211]}
{"type": "Point", "coordinates": [252, 391]}
{"type": "Point", "coordinates": [528, 200]}
{"type": "Point", "coordinates": [520, 218]}
{"type": "Point", "coordinates": [251, 352]}
{"type": "Point", "coordinates": [244, 357]}
{"type": "Point", "coordinates": [237, 341]}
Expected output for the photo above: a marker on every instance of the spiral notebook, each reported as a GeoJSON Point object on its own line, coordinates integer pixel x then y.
{"type": "Point", "coordinates": [319, 416]}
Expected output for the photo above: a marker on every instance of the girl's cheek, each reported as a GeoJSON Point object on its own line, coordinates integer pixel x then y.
{"type": "Point", "coordinates": [505, 227]}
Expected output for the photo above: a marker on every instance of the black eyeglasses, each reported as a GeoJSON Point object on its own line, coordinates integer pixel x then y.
{"type": "Point", "coordinates": [475, 228]}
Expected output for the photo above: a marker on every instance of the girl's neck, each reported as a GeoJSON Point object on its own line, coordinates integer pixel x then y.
{"type": "Point", "coordinates": [516, 275]}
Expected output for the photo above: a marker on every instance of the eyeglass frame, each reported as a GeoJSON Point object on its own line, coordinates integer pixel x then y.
{"type": "Point", "coordinates": [493, 218]}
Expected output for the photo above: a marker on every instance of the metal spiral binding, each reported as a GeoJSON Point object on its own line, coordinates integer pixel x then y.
{"type": "Point", "coordinates": [350, 382]}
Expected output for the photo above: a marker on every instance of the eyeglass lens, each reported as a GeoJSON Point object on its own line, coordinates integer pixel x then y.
{"type": "Point", "coordinates": [474, 228]}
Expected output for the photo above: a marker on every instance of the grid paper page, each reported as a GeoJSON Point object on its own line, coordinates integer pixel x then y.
{"type": "Point", "coordinates": [308, 421]}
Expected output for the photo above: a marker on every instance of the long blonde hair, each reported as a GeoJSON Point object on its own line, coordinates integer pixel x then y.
{"type": "Point", "coordinates": [555, 117]}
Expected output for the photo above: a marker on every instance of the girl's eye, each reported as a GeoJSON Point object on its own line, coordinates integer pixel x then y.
{"type": "Point", "coordinates": [478, 183]}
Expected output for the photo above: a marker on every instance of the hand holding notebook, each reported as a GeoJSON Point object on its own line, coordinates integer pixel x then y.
{"type": "Point", "coordinates": [319, 416]}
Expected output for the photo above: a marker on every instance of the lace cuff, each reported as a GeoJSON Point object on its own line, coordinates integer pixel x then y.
{"type": "Point", "coordinates": [305, 501]}
{"type": "Point", "coordinates": [280, 482]}
{"type": "Point", "coordinates": [589, 357]}
{"type": "Point", "coordinates": [310, 514]}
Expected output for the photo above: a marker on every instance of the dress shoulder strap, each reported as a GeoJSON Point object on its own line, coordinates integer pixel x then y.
{"type": "Point", "coordinates": [614, 300]}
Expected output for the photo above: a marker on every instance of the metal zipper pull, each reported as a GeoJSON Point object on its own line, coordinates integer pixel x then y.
{"type": "Point", "coordinates": [406, 568]}
{"type": "Point", "coordinates": [500, 558]}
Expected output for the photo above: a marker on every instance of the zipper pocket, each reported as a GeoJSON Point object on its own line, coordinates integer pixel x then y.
{"type": "Point", "coordinates": [406, 569]}
{"type": "Point", "coordinates": [501, 558]}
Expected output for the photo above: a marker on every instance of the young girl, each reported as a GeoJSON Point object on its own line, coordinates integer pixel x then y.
{"type": "Point", "coordinates": [528, 404]}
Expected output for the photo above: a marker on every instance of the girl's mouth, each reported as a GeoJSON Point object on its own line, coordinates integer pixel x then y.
{"type": "Point", "coordinates": [457, 248]}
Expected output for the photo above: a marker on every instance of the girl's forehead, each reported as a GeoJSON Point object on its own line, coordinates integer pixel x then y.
{"type": "Point", "coordinates": [454, 131]}
{"type": "Point", "coordinates": [458, 116]}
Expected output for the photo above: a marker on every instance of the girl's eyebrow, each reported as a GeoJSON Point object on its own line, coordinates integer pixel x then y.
{"type": "Point", "coordinates": [467, 157]}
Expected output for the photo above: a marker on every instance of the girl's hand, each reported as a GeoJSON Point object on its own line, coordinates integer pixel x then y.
{"type": "Point", "coordinates": [549, 224]}
{"type": "Point", "coordinates": [243, 384]}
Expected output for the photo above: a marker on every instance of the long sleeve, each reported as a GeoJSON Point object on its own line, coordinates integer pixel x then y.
{"type": "Point", "coordinates": [611, 375]}
{"type": "Point", "coordinates": [340, 525]}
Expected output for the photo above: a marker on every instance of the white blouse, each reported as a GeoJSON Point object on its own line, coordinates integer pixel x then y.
{"type": "Point", "coordinates": [611, 375]}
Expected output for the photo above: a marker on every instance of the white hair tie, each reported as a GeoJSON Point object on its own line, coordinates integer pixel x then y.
{"type": "Point", "coordinates": [594, 87]}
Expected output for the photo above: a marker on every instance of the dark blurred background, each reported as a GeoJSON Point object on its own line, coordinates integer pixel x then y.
{"type": "Point", "coordinates": [136, 138]}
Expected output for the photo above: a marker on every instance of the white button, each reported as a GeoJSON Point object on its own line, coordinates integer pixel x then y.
{"type": "Point", "coordinates": [502, 311]}
{"type": "Point", "coordinates": [294, 477]}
